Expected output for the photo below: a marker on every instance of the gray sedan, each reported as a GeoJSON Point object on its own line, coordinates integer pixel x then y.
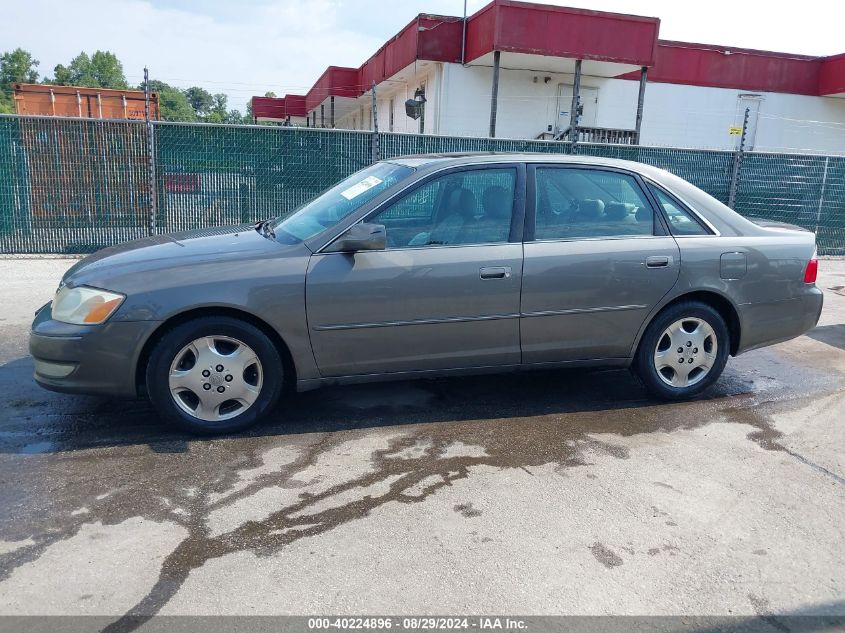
{"type": "Point", "coordinates": [429, 266]}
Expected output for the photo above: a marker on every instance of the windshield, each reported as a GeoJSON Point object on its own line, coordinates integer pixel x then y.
{"type": "Point", "coordinates": [346, 197]}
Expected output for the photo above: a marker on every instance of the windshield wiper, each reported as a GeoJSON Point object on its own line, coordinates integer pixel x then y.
{"type": "Point", "coordinates": [265, 227]}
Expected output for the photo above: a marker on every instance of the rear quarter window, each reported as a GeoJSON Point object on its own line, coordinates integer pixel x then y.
{"type": "Point", "coordinates": [681, 220]}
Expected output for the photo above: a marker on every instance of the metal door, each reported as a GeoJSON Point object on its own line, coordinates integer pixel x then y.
{"type": "Point", "coordinates": [589, 98]}
{"type": "Point", "coordinates": [429, 306]}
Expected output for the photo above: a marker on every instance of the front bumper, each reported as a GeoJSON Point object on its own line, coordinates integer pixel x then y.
{"type": "Point", "coordinates": [90, 359]}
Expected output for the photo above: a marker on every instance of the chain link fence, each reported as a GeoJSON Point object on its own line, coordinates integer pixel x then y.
{"type": "Point", "coordinates": [71, 185]}
{"type": "Point", "coordinates": [77, 185]}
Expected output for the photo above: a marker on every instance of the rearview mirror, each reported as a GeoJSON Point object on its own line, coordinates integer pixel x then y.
{"type": "Point", "coordinates": [360, 237]}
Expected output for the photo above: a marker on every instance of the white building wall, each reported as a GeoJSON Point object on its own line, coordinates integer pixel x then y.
{"type": "Point", "coordinates": [528, 103]}
{"type": "Point", "coordinates": [399, 92]}
{"type": "Point", "coordinates": [695, 116]}
{"type": "Point", "coordinates": [675, 115]}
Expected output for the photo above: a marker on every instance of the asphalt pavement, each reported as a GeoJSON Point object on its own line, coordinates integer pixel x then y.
{"type": "Point", "coordinates": [555, 492]}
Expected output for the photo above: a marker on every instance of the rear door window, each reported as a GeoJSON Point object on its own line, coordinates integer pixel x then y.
{"type": "Point", "coordinates": [576, 203]}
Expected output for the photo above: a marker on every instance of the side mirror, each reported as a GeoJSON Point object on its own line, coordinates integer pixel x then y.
{"type": "Point", "coordinates": [360, 237]}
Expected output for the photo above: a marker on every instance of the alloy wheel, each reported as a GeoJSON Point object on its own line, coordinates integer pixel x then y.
{"type": "Point", "coordinates": [215, 378]}
{"type": "Point", "coordinates": [685, 352]}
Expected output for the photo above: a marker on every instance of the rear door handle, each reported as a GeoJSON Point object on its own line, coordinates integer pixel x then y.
{"type": "Point", "coordinates": [658, 261]}
{"type": "Point", "coordinates": [495, 272]}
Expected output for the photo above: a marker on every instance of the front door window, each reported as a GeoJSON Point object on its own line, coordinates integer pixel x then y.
{"type": "Point", "coordinates": [460, 208]}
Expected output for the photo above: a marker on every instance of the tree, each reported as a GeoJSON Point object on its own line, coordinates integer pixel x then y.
{"type": "Point", "coordinates": [102, 70]}
{"type": "Point", "coordinates": [77, 73]}
{"type": "Point", "coordinates": [200, 99]}
{"type": "Point", "coordinates": [235, 116]}
{"type": "Point", "coordinates": [219, 112]}
{"type": "Point", "coordinates": [108, 71]}
{"type": "Point", "coordinates": [15, 66]}
{"type": "Point", "coordinates": [172, 102]}
{"type": "Point", "coordinates": [7, 105]}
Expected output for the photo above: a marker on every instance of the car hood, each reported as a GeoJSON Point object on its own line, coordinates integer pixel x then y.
{"type": "Point", "coordinates": [113, 267]}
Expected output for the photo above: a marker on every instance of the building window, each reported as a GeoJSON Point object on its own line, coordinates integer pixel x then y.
{"type": "Point", "coordinates": [391, 114]}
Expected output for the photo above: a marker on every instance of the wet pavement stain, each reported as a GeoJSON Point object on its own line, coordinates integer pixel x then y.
{"type": "Point", "coordinates": [466, 510]}
{"type": "Point", "coordinates": [114, 459]}
{"type": "Point", "coordinates": [763, 610]}
{"type": "Point", "coordinates": [605, 555]}
{"type": "Point", "coordinates": [663, 484]}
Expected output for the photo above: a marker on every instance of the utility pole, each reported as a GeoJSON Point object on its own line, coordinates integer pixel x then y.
{"type": "Point", "coordinates": [422, 112]}
{"type": "Point", "coordinates": [464, 37]}
{"type": "Point", "coordinates": [494, 94]}
{"type": "Point", "coordinates": [641, 102]}
{"type": "Point", "coordinates": [738, 160]}
{"type": "Point", "coordinates": [573, 113]}
{"type": "Point", "coordinates": [376, 148]}
{"type": "Point", "coordinates": [151, 152]}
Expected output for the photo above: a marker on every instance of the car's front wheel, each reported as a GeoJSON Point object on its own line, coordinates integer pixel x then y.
{"type": "Point", "coordinates": [683, 350]}
{"type": "Point", "coordinates": [214, 375]}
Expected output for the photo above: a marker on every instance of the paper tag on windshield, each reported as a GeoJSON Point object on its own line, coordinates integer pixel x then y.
{"type": "Point", "coordinates": [356, 190]}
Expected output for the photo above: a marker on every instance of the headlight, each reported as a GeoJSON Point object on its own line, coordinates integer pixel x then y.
{"type": "Point", "coordinates": [85, 306]}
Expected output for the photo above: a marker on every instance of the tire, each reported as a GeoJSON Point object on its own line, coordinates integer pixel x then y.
{"type": "Point", "coordinates": [702, 335]}
{"type": "Point", "coordinates": [197, 364]}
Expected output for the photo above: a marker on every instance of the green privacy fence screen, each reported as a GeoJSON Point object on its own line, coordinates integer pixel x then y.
{"type": "Point", "coordinates": [77, 185]}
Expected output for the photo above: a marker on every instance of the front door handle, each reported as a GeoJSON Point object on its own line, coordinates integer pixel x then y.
{"type": "Point", "coordinates": [658, 261]}
{"type": "Point", "coordinates": [495, 272]}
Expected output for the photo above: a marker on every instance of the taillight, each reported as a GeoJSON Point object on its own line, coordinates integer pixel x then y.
{"type": "Point", "coordinates": [811, 271]}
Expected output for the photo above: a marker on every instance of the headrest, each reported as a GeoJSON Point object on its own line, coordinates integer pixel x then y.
{"type": "Point", "coordinates": [461, 201]}
{"type": "Point", "coordinates": [496, 201]}
{"type": "Point", "coordinates": [644, 214]}
{"type": "Point", "coordinates": [615, 211]}
{"type": "Point", "coordinates": [590, 209]}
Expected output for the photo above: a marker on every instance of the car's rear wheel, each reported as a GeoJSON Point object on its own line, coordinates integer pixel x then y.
{"type": "Point", "coordinates": [683, 351]}
{"type": "Point", "coordinates": [214, 375]}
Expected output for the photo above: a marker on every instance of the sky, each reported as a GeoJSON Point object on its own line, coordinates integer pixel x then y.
{"type": "Point", "coordinates": [249, 47]}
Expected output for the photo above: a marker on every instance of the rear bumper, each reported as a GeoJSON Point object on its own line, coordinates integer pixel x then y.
{"type": "Point", "coordinates": [769, 323]}
{"type": "Point", "coordinates": [89, 359]}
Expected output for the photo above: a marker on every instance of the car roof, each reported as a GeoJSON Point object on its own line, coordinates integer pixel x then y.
{"type": "Point", "coordinates": [475, 158]}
